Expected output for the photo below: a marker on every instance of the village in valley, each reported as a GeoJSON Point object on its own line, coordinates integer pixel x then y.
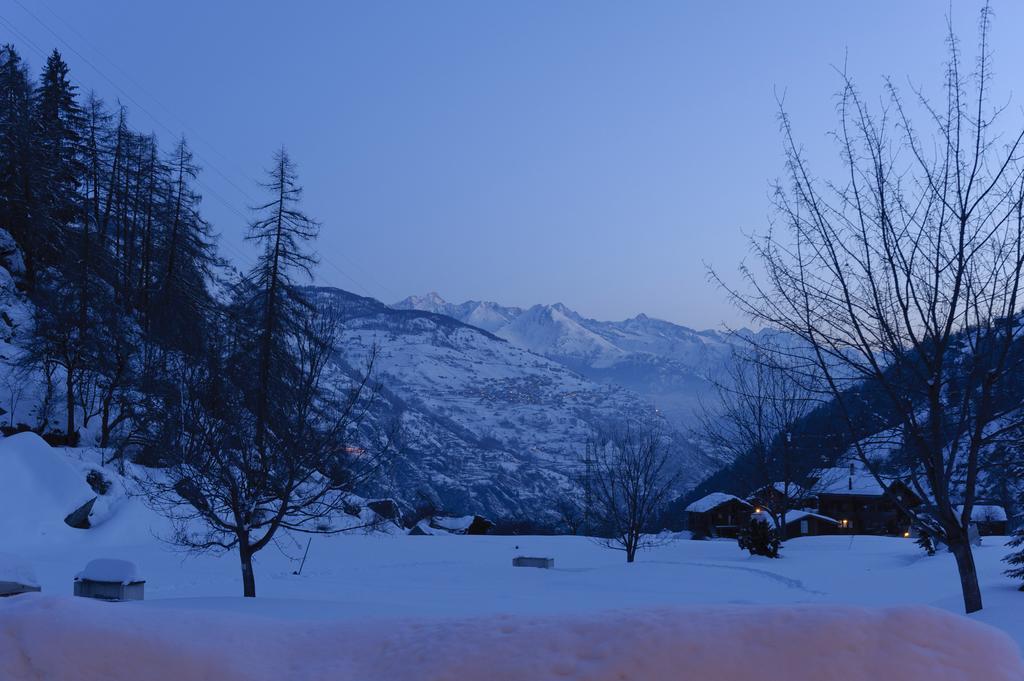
{"type": "Point", "coordinates": [845, 500]}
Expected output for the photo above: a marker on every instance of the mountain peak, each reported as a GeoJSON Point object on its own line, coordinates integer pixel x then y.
{"type": "Point", "coordinates": [428, 302]}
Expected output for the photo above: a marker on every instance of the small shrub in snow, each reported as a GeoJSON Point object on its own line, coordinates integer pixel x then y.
{"type": "Point", "coordinates": [97, 482]}
{"type": "Point", "coordinates": [58, 438]}
{"type": "Point", "coordinates": [14, 430]}
{"type": "Point", "coordinates": [760, 539]}
{"type": "Point", "coordinates": [926, 543]}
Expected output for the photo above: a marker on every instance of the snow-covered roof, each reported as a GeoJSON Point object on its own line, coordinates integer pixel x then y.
{"type": "Point", "coordinates": [109, 570]}
{"type": "Point", "coordinates": [794, 516]}
{"type": "Point", "coordinates": [841, 481]}
{"type": "Point", "coordinates": [791, 517]}
{"type": "Point", "coordinates": [982, 513]}
{"type": "Point", "coordinates": [17, 571]}
{"type": "Point", "coordinates": [424, 527]}
{"type": "Point", "coordinates": [460, 524]}
{"type": "Point", "coordinates": [787, 489]}
{"type": "Point", "coordinates": [713, 500]}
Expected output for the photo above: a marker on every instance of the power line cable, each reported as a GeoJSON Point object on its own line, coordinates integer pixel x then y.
{"type": "Point", "coordinates": [153, 117]}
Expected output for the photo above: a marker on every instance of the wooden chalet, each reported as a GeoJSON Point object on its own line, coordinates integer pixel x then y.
{"type": "Point", "coordinates": [717, 515]}
{"type": "Point", "coordinates": [860, 505]}
{"type": "Point", "coordinates": [780, 495]}
{"type": "Point", "coordinates": [799, 523]}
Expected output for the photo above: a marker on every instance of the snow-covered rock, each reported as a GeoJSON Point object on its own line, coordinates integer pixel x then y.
{"type": "Point", "coordinates": [40, 486]}
{"type": "Point", "coordinates": [11, 258]}
{"type": "Point", "coordinates": [35, 476]}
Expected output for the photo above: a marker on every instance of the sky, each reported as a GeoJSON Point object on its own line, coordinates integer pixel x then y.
{"type": "Point", "coordinates": [598, 154]}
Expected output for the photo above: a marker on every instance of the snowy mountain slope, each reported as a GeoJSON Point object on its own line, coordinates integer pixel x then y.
{"type": "Point", "coordinates": [484, 315]}
{"type": "Point", "coordinates": [666, 363]}
{"type": "Point", "coordinates": [488, 426]}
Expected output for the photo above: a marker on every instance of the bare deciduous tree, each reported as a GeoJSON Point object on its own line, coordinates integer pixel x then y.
{"type": "Point", "coordinates": [571, 515]}
{"type": "Point", "coordinates": [631, 477]}
{"type": "Point", "coordinates": [905, 272]}
{"type": "Point", "coordinates": [228, 485]}
{"type": "Point", "coordinates": [761, 399]}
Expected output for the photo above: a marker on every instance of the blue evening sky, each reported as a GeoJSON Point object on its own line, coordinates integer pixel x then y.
{"type": "Point", "coordinates": [593, 153]}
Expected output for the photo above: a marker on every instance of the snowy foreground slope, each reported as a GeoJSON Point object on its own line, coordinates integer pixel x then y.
{"type": "Point", "coordinates": [378, 606]}
{"type": "Point", "coordinates": [98, 641]}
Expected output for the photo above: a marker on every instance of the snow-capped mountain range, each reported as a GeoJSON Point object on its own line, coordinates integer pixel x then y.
{"type": "Point", "coordinates": [488, 425]}
{"type": "Point", "coordinates": [666, 363]}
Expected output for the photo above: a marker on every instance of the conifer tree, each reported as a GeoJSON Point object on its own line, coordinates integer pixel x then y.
{"type": "Point", "coordinates": [283, 232]}
{"type": "Point", "coordinates": [759, 538]}
{"type": "Point", "coordinates": [58, 125]}
{"type": "Point", "coordinates": [183, 242]}
{"type": "Point", "coordinates": [17, 196]}
{"type": "Point", "coordinates": [1016, 559]}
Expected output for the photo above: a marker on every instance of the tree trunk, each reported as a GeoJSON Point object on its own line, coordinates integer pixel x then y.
{"type": "Point", "coordinates": [248, 578]}
{"type": "Point", "coordinates": [780, 525]}
{"type": "Point", "coordinates": [69, 385]}
{"type": "Point", "coordinates": [961, 549]}
{"type": "Point", "coordinates": [105, 425]}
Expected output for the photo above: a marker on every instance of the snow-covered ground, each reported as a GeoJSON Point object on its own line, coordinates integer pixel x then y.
{"type": "Point", "coordinates": [453, 590]}
{"type": "Point", "coordinates": [47, 638]}
{"type": "Point", "coordinates": [449, 600]}
{"type": "Point", "coordinates": [371, 576]}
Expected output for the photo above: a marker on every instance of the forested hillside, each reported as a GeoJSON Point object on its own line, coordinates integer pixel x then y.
{"type": "Point", "coordinates": [135, 335]}
{"type": "Point", "coordinates": [143, 342]}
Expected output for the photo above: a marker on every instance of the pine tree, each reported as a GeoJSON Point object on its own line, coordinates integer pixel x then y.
{"type": "Point", "coordinates": [1016, 559]}
{"type": "Point", "coordinates": [759, 538]}
{"type": "Point", "coordinates": [283, 232]}
{"type": "Point", "coordinates": [180, 244]}
{"type": "Point", "coordinates": [17, 164]}
{"type": "Point", "coordinates": [58, 125]}
{"type": "Point", "coordinates": [70, 295]}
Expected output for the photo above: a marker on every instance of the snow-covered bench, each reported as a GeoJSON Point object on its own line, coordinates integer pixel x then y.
{"type": "Point", "coordinates": [16, 576]}
{"type": "Point", "coordinates": [110, 579]}
{"type": "Point", "coordinates": [533, 561]}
